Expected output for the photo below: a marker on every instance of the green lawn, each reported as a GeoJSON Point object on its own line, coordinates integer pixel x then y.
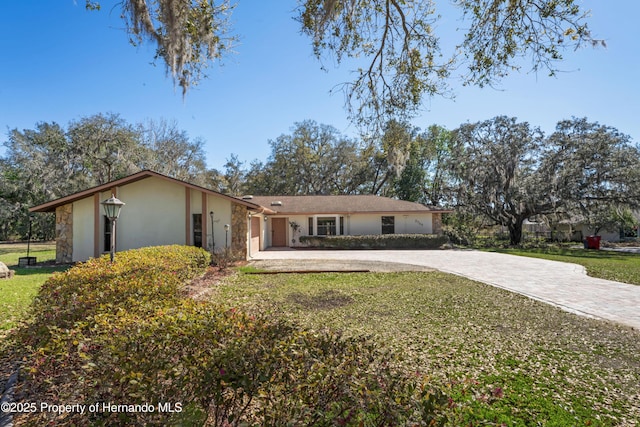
{"type": "Point", "coordinates": [503, 358]}
{"type": "Point", "coordinates": [618, 266]}
{"type": "Point", "coordinates": [18, 292]}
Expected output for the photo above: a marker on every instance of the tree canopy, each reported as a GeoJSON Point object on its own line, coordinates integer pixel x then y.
{"type": "Point", "coordinates": [394, 44]}
{"type": "Point", "coordinates": [49, 162]}
{"type": "Point", "coordinates": [313, 159]}
{"type": "Point", "coordinates": [509, 172]}
{"type": "Point", "coordinates": [500, 169]}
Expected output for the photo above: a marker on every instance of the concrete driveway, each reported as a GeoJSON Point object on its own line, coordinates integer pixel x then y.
{"type": "Point", "coordinates": [561, 284]}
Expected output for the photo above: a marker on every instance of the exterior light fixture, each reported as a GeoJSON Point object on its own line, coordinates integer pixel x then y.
{"type": "Point", "coordinates": [226, 235]}
{"type": "Point", "coordinates": [112, 207]}
{"type": "Point", "coordinates": [213, 237]}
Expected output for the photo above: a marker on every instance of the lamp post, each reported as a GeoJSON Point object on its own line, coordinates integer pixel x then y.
{"type": "Point", "coordinates": [226, 235]}
{"type": "Point", "coordinates": [213, 237]}
{"type": "Point", "coordinates": [112, 208]}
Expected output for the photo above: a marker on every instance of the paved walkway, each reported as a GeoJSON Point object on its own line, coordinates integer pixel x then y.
{"type": "Point", "coordinates": [561, 284]}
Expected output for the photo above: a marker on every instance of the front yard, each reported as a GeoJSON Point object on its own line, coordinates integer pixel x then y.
{"type": "Point", "coordinates": [503, 358]}
{"type": "Point", "coordinates": [18, 292]}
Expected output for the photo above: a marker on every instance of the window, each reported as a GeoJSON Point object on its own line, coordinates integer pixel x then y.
{"type": "Point", "coordinates": [107, 234]}
{"type": "Point", "coordinates": [310, 226]}
{"type": "Point", "coordinates": [197, 230]}
{"type": "Point", "coordinates": [326, 226]}
{"type": "Point", "coordinates": [388, 224]}
{"type": "Point", "coordinates": [342, 226]}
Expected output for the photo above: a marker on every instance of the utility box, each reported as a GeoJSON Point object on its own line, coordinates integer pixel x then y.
{"type": "Point", "coordinates": [26, 261]}
{"type": "Point", "coordinates": [593, 242]}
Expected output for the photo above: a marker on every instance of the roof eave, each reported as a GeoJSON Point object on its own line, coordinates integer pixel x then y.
{"type": "Point", "coordinates": [52, 205]}
{"type": "Point", "coordinates": [360, 212]}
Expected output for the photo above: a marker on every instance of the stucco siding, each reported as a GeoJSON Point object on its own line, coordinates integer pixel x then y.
{"type": "Point", "coordinates": [303, 228]}
{"type": "Point", "coordinates": [362, 224]}
{"type": "Point", "coordinates": [83, 213]}
{"type": "Point", "coordinates": [154, 214]}
{"type": "Point", "coordinates": [221, 215]}
{"type": "Point", "coordinates": [414, 224]}
{"type": "Point", "coordinates": [196, 201]}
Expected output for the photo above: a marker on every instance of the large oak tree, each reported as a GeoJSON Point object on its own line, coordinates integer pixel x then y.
{"type": "Point", "coordinates": [394, 44]}
{"type": "Point", "coordinates": [509, 172]}
{"type": "Point", "coordinates": [495, 164]}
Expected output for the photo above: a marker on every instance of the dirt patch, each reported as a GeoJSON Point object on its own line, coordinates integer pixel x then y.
{"type": "Point", "coordinates": [201, 287]}
{"type": "Point", "coordinates": [332, 265]}
{"type": "Point", "coordinates": [326, 300]}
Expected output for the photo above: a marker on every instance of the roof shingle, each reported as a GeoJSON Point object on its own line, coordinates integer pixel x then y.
{"type": "Point", "coordinates": [344, 204]}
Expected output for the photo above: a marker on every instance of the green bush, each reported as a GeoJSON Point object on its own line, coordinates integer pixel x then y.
{"type": "Point", "coordinates": [376, 241]}
{"type": "Point", "coordinates": [138, 278]}
{"type": "Point", "coordinates": [113, 343]}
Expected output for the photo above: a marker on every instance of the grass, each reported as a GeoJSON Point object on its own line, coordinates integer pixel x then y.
{"type": "Point", "coordinates": [618, 266]}
{"type": "Point", "coordinates": [502, 358]}
{"type": "Point", "coordinates": [18, 292]}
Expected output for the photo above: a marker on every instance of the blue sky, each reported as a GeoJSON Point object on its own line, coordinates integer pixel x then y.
{"type": "Point", "coordinates": [60, 63]}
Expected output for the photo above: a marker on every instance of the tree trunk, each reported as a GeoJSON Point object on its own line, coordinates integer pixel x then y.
{"type": "Point", "coordinates": [515, 232]}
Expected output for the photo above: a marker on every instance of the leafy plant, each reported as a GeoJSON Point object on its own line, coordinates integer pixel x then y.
{"type": "Point", "coordinates": [384, 241]}
{"type": "Point", "coordinates": [224, 257]}
{"type": "Point", "coordinates": [92, 331]}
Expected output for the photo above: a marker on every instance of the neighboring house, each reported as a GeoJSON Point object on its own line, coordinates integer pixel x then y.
{"type": "Point", "coordinates": [578, 231]}
{"type": "Point", "coordinates": [160, 210]}
{"type": "Point", "coordinates": [574, 229]}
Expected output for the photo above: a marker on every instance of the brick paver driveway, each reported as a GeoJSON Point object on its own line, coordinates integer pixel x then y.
{"type": "Point", "coordinates": [564, 285]}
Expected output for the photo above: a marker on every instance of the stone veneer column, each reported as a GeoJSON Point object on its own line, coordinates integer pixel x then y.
{"type": "Point", "coordinates": [239, 230]}
{"type": "Point", "coordinates": [64, 233]}
{"type": "Point", "coordinates": [436, 223]}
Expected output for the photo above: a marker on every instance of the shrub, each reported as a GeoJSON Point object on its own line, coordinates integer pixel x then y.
{"type": "Point", "coordinates": [138, 278]}
{"type": "Point", "coordinates": [123, 334]}
{"type": "Point", "coordinates": [232, 368]}
{"type": "Point", "coordinates": [223, 258]}
{"type": "Point", "coordinates": [383, 241]}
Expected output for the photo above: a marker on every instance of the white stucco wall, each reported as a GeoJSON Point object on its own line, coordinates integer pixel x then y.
{"type": "Point", "coordinates": [264, 242]}
{"type": "Point", "coordinates": [221, 215]}
{"type": "Point", "coordinates": [362, 224]}
{"type": "Point", "coordinates": [83, 213]}
{"type": "Point", "coordinates": [414, 224]}
{"type": "Point", "coordinates": [154, 214]}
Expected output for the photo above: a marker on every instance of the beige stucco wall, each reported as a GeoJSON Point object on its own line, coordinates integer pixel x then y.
{"type": "Point", "coordinates": [264, 227]}
{"type": "Point", "coordinates": [154, 214]}
{"type": "Point", "coordinates": [357, 224]}
{"type": "Point", "coordinates": [221, 215]}
{"type": "Point", "coordinates": [362, 224]}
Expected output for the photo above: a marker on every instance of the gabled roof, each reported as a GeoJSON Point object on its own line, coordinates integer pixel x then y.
{"type": "Point", "coordinates": [52, 205]}
{"type": "Point", "coordinates": [346, 204]}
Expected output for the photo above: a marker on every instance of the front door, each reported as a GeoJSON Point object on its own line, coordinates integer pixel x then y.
{"type": "Point", "coordinates": [278, 232]}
